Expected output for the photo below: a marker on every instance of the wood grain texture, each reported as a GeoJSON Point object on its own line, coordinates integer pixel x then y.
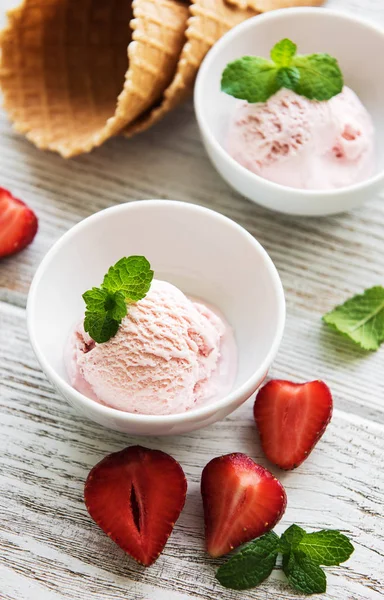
{"type": "Point", "coordinates": [49, 547]}
{"type": "Point", "coordinates": [47, 536]}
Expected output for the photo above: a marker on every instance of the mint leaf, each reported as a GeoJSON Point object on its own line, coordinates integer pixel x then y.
{"type": "Point", "coordinates": [283, 52]}
{"type": "Point", "coordinates": [251, 565]}
{"type": "Point", "coordinates": [95, 299]}
{"type": "Point", "coordinates": [127, 281]}
{"type": "Point", "coordinates": [326, 547]}
{"type": "Point", "coordinates": [100, 326]}
{"type": "Point", "coordinates": [104, 312]}
{"type": "Point", "coordinates": [116, 306]}
{"type": "Point", "coordinates": [291, 539]}
{"type": "Point", "coordinates": [320, 77]}
{"type": "Point", "coordinates": [304, 574]}
{"type": "Point", "coordinates": [256, 79]}
{"type": "Point", "coordinates": [100, 300]}
{"type": "Point", "coordinates": [132, 276]}
{"type": "Point", "coordinates": [250, 78]}
{"type": "Point", "coordinates": [303, 553]}
{"type": "Point", "coordinates": [288, 77]}
{"type": "Point", "coordinates": [361, 318]}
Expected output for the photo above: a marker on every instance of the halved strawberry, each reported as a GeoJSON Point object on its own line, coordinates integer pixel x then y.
{"type": "Point", "coordinates": [242, 501]}
{"type": "Point", "coordinates": [291, 418]}
{"type": "Point", "coordinates": [136, 496]}
{"type": "Point", "coordinates": [18, 224]}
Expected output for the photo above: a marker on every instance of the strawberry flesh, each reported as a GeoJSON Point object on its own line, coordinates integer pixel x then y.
{"type": "Point", "coordinates": [242, 501]}
{"type": "Point", "coordinates": [291, 418]}
{"type": "Point", "coordinates": [136, 496]}
{"type": "Point", "coordinates": [18, 224]}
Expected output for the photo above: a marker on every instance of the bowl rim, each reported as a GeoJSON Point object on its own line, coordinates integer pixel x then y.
{"type": "Point", "coordinates": [245, 389]}
{"type": "Point", "coordinates": [205, 127]}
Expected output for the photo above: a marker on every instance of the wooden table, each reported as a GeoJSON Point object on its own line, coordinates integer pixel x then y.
{"type": "Point", "coordinates": [50, 549]}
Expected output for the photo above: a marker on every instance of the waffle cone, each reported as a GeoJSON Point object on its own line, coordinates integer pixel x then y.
{"type": "Point", "coordinates": [266, 5]}
{"type": "Point", "coordinates": [208, 21]}
{"type": "Point", "coordinates": [67, 79]}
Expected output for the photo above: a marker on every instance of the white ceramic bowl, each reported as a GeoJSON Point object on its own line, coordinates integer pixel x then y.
{"type": "Point", "coordinates": [202, 252]}
{"type": "Point", "coordinates": [358, 47]}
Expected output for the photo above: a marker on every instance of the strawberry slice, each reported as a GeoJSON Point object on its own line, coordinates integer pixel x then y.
{"type": "Point", "coordinates": [18, 224]}
{"type": "Point", "coordinates": [136, 496]}
{"type": "Point", "coordinates": [291, 418]}
{"type": "Point", "coordinates": [242, 501]}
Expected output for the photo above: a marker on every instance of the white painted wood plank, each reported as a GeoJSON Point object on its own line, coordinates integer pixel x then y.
{"type": "Point", "coordinates": [51, 544]}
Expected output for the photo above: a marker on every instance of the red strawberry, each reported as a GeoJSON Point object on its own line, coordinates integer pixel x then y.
{"type": "Point", "coordinates": [242, 501]}
{"type": "Point", "coordinates": [18, 224]}
{"type": "Point", "coordinates": [136, 496]}
{"type": "Point", "coordinates": [291, 418]}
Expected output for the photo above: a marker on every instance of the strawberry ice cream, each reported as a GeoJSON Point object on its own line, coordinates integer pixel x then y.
{"type": "Point", "coordinates": [303, 143]}
{"type": "Point", "coordinates": [169, 355]}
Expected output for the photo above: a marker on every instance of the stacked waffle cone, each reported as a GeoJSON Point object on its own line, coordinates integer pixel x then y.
{"type": "Point", "coordinates": [74, 73]}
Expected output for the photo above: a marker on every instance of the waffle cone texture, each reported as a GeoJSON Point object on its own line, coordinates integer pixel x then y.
{"type": "Point", "coordinates": [74, 73]}
{"type": "Point", "coordinates": [208, 21]}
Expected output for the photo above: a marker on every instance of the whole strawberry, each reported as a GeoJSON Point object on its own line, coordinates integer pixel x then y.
{"type": "Point", "coordinates": [291, 418]}
{"type": "Point", "coordinates": [18, 224]}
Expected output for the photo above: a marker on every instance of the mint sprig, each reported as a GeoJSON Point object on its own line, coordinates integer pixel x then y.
{"type": "Point", "coordinates": [303, 554]}
{"type": "Point", "coordinates": [127, 281]}
{"type": "Point", "coordinates": [256, 79]}
{"type": "Point", "coordinates": [361, 318]}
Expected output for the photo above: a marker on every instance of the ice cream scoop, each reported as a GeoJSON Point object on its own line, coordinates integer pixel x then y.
{"type": "Point", "coordinates": [303, 143]}
{"type": "Point", "coordinates": [169, 355]}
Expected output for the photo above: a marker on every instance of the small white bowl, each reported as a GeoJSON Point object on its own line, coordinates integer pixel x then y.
{"type": "Point", "coordinates": [358, 47]}
{"type": "Point", "coordinates": [203, 253]}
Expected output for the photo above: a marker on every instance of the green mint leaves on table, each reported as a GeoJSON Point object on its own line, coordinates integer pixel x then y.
{"type": "Point", "coordinates": [127, 281]}
{"type": "Point", "coordinates": [303, 553]}
{"type": "Point", "coordinates": [255, 79]}
{"type": "Point", "coordinates": [361, 318]}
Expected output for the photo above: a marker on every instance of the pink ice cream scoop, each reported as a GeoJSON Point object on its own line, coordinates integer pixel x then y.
{"type": "Point", "coordinates": [169, 355]}
{"type": "Point", "coordinates": [303, 143]}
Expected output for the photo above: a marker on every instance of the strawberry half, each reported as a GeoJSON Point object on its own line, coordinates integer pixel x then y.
{"type": "Point", "coordinates": [291, 418]}
{"type": "Point", "coordinates": [136, 496]}
{"type": "Point", "coordinates": [242, 501]}
{"type": "Point", "coordinates": [18, 224]}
